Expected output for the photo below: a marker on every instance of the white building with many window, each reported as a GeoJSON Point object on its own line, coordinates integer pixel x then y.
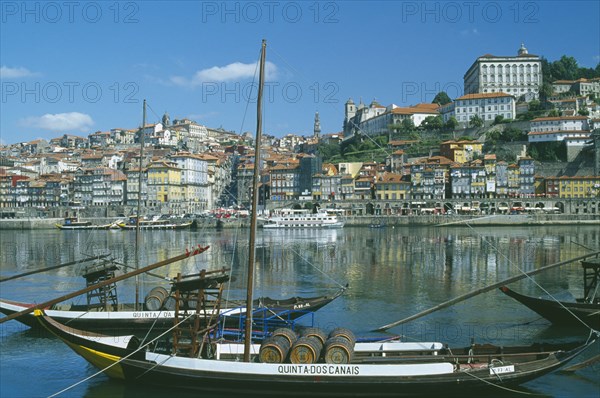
{"type": "Point", "coordinates": [520, 76]}
{"type": "Point", "coordinates": [487, 106]}
{"type": "Point", "coordinates": [574, 131]}
{"type": "Point", "coordinates": [377, 119]}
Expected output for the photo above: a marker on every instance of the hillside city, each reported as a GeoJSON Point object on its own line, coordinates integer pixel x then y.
{"type": "Point", "coordinates": [517, 132]}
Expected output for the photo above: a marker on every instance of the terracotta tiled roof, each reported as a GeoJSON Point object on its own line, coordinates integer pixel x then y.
{"type": "Point", "coordinates": [549, 119]}
{"type": "Point", "coordinates": [483, 95]}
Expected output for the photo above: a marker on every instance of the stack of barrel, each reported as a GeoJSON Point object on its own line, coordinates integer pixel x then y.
{"type": "Point", "coordinates": [307, 349]}
{"type": "Point", "coordinates": [339, 347]}
{"type": "Point", "coordinates": [275, 349]}
{"type": "Point", "coordinates": [312, 345]}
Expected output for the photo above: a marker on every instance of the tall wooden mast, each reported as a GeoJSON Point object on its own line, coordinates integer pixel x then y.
{"type": "Point", "coordinates": [251, 247]}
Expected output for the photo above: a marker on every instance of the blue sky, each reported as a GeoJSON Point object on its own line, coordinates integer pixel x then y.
{"type": "Point", "coordinates": [79, 67]}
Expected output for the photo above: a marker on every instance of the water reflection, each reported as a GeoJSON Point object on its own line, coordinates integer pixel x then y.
{"type": "Point", "coordinates": [392, 273]}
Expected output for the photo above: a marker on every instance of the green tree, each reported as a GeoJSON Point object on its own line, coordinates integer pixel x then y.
{"type": "Point", "coordinates": [493, 135]}
{"type": "Point", "coordinates": [512, 134]}
{"type": "Point", "coordinates": [566, 68]}
{"type": "Point", "coordinates": [432, 123]}
{"type": "Point", "coordinates": [414, 136]}
{"type": "Point", "coordinates": [498, 119]}
{"type": "Point", "coordinates": [451, 124]}
{"type": "Point", "coordinates": [583, 112]}
{"type": "Point", "coordinates": [441, 98]}
{"type": "Point", "coordinates": [408, 124]}
{"type": "Point", "coordinates": [476, 121]}
{"type": "Point", "coordinates": [534, 105]}
{"type": "Point", "coordinates": [327, 151]}
{"type": "Point", "coordinates": [554, 113]}
{"type": "Point", "coordinates": [546, 91]}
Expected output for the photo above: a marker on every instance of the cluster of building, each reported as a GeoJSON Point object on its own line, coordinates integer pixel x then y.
{"type": "Point", "coordinates": [185, 167]}
{"type": "Point", "coordinates": [494, 87]}
{"type": "Point", "coordinates": [184, 182]}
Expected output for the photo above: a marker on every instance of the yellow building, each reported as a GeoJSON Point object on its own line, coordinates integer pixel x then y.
{"type": "Point", "coordinates": [573, 187]}
{"type": "Point", "coordinates": [164, 184]}
{"type": "Point", "coordinates": [514, 182]}
{"type": "Point", "coordinates": [390, 187]}
{"type": "Point", "coordinates": [461, 151]}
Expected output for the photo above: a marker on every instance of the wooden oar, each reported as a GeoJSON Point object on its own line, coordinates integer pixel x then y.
{"type": "Point", "coordinates": [105, 283]}
{"type": "Point", "coordinates": [53, 267]}
{"type": "Point", "coordinates": [479, 291]}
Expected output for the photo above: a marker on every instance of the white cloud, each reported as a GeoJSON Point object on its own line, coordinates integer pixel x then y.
{"type": "Point", "coordinates": [596, 57]}
{"type": "Point", "coordinates": [15, 73]}
{"type": "Point", "coordinates": [60, 122]}
{"type": "Point", "coordinates": [231, 72]}
{"type": "Point", "coordinates": [469, 32]}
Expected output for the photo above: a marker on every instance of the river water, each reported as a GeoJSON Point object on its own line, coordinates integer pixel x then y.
{"type": "Point", "coordinates": [392, 273]}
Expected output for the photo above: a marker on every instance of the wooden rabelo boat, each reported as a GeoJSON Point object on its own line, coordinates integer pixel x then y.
{"type": "Point", "coordinates": [103, 313]}
{"type": "Point", "coordinates": [583, 312]}
{"type": "Point", "coordinates": [308, 363]}
{"type": "Point", "coordinates": [73, 223]}
{"type": "Point", "coordinates": [125, 319]}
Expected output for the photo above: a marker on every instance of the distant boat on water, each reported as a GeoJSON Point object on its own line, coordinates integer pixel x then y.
{"type": "Point", "coordinates": [304, 218]}
{"type": "Point", "coordinates": [71, 223]}
{"type": "Point", "coordinates": [154, 223]}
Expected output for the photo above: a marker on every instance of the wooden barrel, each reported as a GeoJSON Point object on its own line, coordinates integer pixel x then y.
{"type": "Point", "coordinates": [155, 298]}
{"type": "Point", "coordinates": [286, 333]}
{"type": "Point", "coordinates": [274, 349]}
{"type": "Point", "coordinates": [306, 350]}
{"type": "Point", "coordinates": [169, 303]}
{"type": "Point", "coordinates": [314, 332]}
{"type": "Point", "coordinates": [343, 332]}
{"type": "Point", "coordinates": [338, 350]}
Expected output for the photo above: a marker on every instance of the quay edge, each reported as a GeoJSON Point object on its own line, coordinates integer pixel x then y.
{"type": "Point", "coordinates": [354, 221]}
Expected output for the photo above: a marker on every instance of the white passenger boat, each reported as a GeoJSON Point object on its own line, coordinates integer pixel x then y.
{"type": "Point", "coordinates": [303, 218]}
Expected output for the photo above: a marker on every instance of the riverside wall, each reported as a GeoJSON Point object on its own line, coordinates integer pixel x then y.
{"type": "Point", "coordinates": [358, 221]}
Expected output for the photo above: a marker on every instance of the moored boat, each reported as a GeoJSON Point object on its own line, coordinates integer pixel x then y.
{"type": "Point", "coordinates": [361, 369]}
{"type": "Point", "coordinates": [560, 312]}
{"type": "Point", "coordinates": [125, 318]}
{"type": "Point", "coordinates": [154, 223]}
{"type": "Point", "coordinates": [303, 218]}
{"type": "Point", "coordinates": [583, 312]}
{"type": "Point", "coordinates": [73, 223]}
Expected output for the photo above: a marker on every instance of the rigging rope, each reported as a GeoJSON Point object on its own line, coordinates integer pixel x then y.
{"type": "Point", "coordinates": [120, 360]}
{"type": "Point", "coordinates": [307, 261]}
